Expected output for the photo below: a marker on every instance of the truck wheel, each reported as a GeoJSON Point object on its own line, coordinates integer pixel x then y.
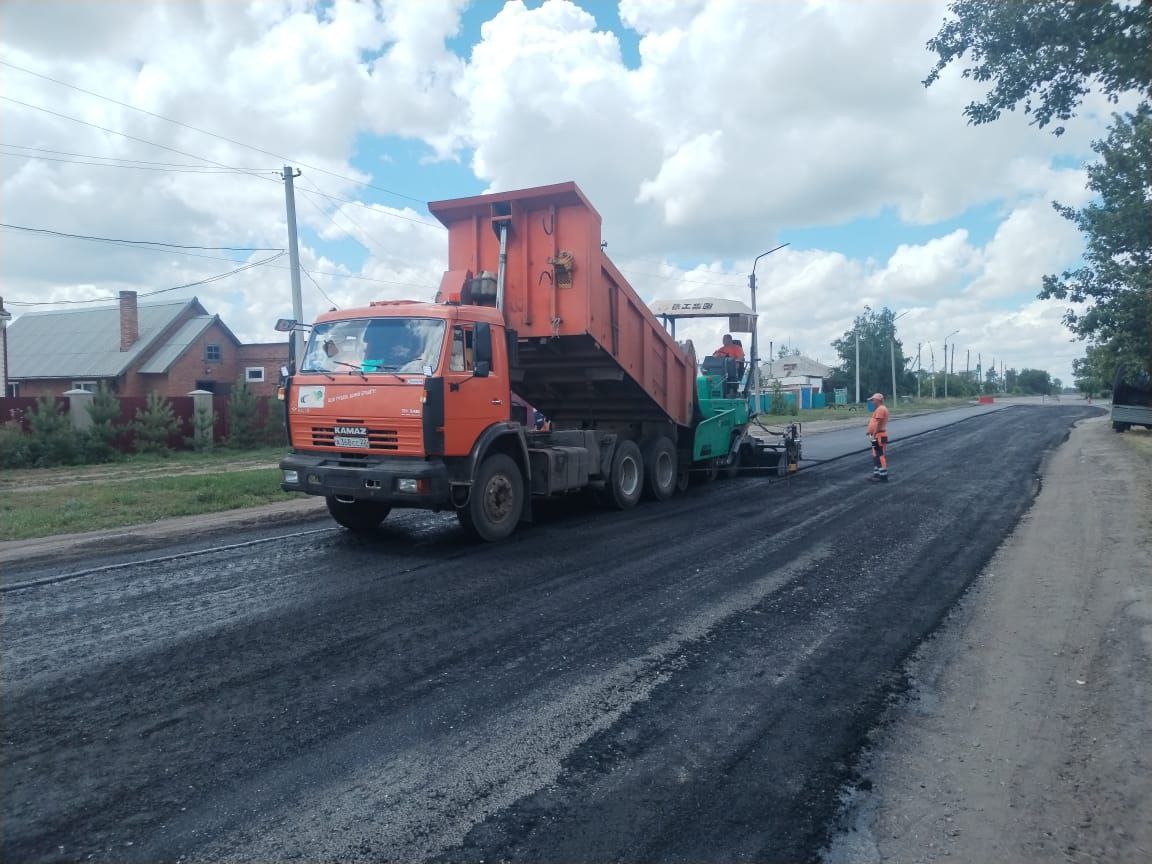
{"type": "Point", "coordinates": [1119, 427]}
{"type": "Point", "coordinates": [359, 517]}
{"type": "Point", "coordinates": [732, 469]}
{"type": "Point", "coordinates": [626, 481]}
{"type": "Point", "coordinates": [660, 475]}
{"type": "Point", "coordinates": [683, 477]}
{"type": "Point", "coordinates": [497, 499]}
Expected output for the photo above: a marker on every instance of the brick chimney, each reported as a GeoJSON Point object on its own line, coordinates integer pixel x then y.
{"type": "Point", "coordinates": [129, 321]}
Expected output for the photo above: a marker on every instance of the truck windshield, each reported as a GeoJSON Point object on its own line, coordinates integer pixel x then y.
{"type": "Point", "coordinates": [366, 345]}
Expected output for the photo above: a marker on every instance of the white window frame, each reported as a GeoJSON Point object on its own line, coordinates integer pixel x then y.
{"type": "Point", "coordinates": [89, 386]}
{"type": "Point", "coordinates": [13, 390]}
{"type": "Point", "coordinates": [248, 370]}
{"type": "Point", "coordinates": [208, 347]}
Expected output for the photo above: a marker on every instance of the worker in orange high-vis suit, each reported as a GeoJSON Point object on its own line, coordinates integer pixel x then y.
{"type": "Point", "coordinates": [878, 435]}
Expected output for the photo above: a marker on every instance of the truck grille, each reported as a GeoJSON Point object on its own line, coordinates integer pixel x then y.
{"type": "Point", "coordinates": [375, 439]}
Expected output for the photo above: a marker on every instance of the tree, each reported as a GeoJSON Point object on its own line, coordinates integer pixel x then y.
{"type": "Point", "coordinates": [99, 440]}
{"type": "Point", "coordinates": [1034, 381]}
{"type": "Point", "coordinates": [877, 332]}
{"type": "Point", "coordinates": [155, 423]}
{"type": "Point", "coordinates": [1094, 372]}
{"type": "Point", "coordinates": [1048, 55]}
{"type": "Point", "coordinates": [1116, 276]}
{"type": "Point", "coordinates": [244, 429]}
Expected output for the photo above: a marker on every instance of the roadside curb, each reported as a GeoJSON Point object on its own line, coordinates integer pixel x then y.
{"type": "Point", "coordinates": [62, 547]}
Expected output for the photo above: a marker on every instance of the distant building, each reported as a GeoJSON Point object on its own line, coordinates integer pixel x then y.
{"type": "Point", "coordinates": [168, 347]}
{"type": "Point", "coordinates": [796, 374]}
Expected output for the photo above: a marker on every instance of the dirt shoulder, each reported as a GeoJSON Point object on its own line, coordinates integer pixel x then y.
{"type": "Point", "coordinates": [1024, 735]}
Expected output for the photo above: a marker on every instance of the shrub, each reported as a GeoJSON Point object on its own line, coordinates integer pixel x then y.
{"type": "Point", "coordinates": [154, 424]}
{"type": "Point", "coordinates": [274, 432]}
{"type": "Point", "coordinates": [777, 398]}
{"type": "Point", "coordinates": [53, 440]}
{"type": "Point", "coordinates": [244, 430]}
{"type": "Point", "coordinates": [15, 446]}
{"type": "Point", "coordinates": [97, 444]}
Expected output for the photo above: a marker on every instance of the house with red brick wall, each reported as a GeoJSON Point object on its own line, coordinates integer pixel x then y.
{"type": "Point", "coordinates": [168, 347]}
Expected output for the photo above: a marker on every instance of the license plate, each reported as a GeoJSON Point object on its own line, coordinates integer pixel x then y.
{"type": "Point", "coordinates": [347, 441]}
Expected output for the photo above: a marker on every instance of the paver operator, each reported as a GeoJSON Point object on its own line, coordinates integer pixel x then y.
{"type": "Point", "coordinates": [729, 349]}
{"type": "Point", "coordinates": [878, 435]}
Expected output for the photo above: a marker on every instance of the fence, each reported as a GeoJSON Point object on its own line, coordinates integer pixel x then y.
{"type": "Point", "coordinates": [16, 411]}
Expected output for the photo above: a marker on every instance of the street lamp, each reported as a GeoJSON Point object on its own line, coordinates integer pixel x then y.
{"type": "Point", "coordinates": [867, 309]}
{"type": "Point", "coordinates": [946, 338]}
{"type": "Point", "coordinates": [892, 352]}
{"type": "Point", "coordinates": [755, 383]}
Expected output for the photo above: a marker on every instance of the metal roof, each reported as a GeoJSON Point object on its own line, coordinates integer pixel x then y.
{"type": "Point", "coordinates": [84, 342]}
{"type": "Point", "coordinates": [178, 344]}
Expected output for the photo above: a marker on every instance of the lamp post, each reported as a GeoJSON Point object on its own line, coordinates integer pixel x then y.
{"type": "Point", "coordinates": [892, 354]}
{"type": "Point", "coordinates": [755, 382]}
{"type": "Point", "coordinates": [946, 338]}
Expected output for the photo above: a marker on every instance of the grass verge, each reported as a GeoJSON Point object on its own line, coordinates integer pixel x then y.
{"type": "Point", "coordinates": [93, 506]}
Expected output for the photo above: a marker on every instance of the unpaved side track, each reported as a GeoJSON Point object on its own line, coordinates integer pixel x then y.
{"type": "Point", "coordinates": [686, 681]}
{"type": "Point", "coordinates": [1026, 733]}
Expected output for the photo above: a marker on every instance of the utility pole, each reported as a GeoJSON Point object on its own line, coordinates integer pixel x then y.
{"type": "Point", "coordinates": [953, 359]}
{"type": "Point", "coordinates": [946, 338]}
{"type": "Point", "coordinates": [294, 261]}
{"type": "Point", "coordinates": [919, 369]}
{"type": "Point", "coordinates": [857, 362]}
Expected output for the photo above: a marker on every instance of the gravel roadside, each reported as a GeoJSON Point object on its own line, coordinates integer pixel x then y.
{"type": "Point", "coordinates": [1024, 733]}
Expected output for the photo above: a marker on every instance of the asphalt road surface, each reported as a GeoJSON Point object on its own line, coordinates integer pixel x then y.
{"type": "Point", "coordinates": [688, 681]}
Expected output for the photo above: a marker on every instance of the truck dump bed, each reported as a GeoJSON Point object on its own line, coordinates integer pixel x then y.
{"type": "Point", "coordinates": [590, 350]}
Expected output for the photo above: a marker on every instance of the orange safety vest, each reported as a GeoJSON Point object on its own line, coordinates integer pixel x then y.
{"type": "Point", "coordinates": [878, 425]}
{"type": "Point", "coordinates": [733, 351]}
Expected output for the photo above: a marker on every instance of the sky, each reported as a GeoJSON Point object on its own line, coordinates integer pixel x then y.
{"type": "Point", "coordinates": [705, 132]}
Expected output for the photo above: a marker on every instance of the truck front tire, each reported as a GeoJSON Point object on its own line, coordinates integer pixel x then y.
{"type": "Point", "coordinates": [496, 501]}
{"type": "Point", "coordinates": [359, 517]}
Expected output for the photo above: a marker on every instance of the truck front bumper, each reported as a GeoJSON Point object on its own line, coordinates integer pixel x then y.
{"type": "Point", "coordinates": [397, 481]}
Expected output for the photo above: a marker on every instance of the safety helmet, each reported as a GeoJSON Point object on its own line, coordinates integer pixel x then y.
{"type": "Point", "coordinates": [877, 397]}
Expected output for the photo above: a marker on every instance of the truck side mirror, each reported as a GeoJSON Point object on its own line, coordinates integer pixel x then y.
{"type": "Point", "coordinates": [285, 325]}
{"type": "Point", "coordinates": [482, 350]}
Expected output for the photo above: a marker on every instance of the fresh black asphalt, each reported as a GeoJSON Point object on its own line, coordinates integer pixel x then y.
{"type": "Point", "coordinates": [687, 681]}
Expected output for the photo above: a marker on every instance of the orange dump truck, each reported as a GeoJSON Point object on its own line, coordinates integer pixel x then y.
{"type": "Point", "coordinates": [408, 404]}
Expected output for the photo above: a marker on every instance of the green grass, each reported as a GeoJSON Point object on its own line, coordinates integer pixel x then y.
{"type": "Point", "coordinates": [92, 506]}
{"type": "Point", "coordinates": [809, 415]}
{"type": "Point", "coordinates": [139, 463]}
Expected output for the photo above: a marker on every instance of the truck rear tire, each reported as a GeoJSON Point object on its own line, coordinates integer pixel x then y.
{"type": "Point", "coordinates": [496, 501]}
{"type": "Point", "coordinates": [1120, 427]}
{"type": "Point", "coordinates": [359, 517]}
{"type": "Point", "coordinates": [626, 481]}
{"type": "Point", "coordinates": [660, 474]}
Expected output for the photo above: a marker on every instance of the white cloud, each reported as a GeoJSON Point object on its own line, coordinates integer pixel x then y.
{"type": "Point", "coordinates": [743, 121]}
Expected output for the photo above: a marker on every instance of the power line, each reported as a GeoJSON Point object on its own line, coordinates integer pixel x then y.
{"type": "Point", "coordinates": [201, 170]}
{"type": "Point", "coordinates": [134, 138]}
{"type": "Point", "coordinates": [212, 134]}
{"type": "Point", "coordinates": [140, 242]}
{"type": "Point", "coordinates": [205, 281]}
{"type": "Point", "coordinates": [365, 241]}
{"type": "Point", "coordinates": [211, 161]}
{"type": "Point", "coordinates": [117, 158]}
{"type": "Point", "coordinates": [318, 288]}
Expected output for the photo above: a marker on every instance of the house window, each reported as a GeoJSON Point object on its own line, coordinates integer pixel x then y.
{"type": "Point", "coordinates": [90, 386]}
{"type": "Point", "coordinates": [254, 374]}
{"type": "Point", "coordinates": [14, 390]}
{"type": "Point", "coordinates": [212, 353]}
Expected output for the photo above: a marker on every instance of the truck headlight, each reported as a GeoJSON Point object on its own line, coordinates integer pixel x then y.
{"type": "Point", "coordinates": [406, 484]}
{"type": "Point", "coordinates": [291, 477]}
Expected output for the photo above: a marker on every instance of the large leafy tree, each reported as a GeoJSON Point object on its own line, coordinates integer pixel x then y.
{"type": "Point", "coordinates": [1046, 56]}
{"type": "Point", "coordinates": [877, 331]}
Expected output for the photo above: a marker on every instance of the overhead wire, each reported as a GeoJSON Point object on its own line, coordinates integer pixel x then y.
{"type": "Point", "coordinates": [206, 281]}
{"type": "Point", "coordinates": [210, 134]}
{"type": "Point", "coordinates": [256, 174]}
{"type": "Point", "coordinates": [123, 242]}
{"type": "Point", "coordinates": [120, 158]}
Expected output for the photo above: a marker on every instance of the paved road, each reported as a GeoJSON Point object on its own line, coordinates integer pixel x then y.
{"type": "Point", "coordinates": [685, 681]}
